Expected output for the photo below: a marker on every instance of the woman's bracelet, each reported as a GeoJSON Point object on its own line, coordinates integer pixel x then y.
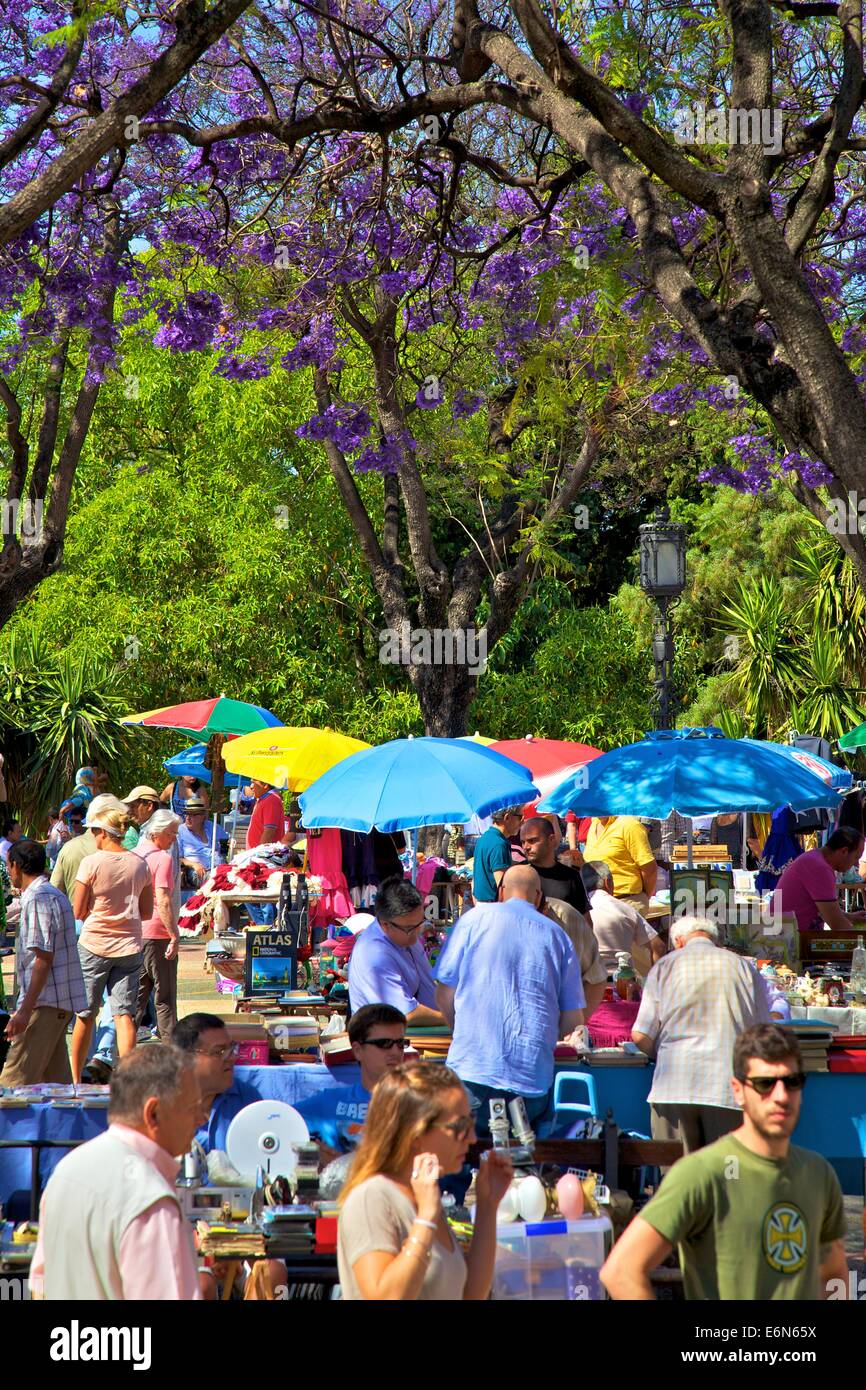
{"type": "Point", "coordinates": [413, 1240]}
{"type": "Point", "coordinates": [419, 1221]}
{"type": "Point", "coordinates": [413, 1255]}
{"type": "Point", "coordinates": [420, 1253]}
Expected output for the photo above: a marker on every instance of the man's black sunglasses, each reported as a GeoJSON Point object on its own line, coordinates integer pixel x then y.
{"type": "Point", "coordinates": [765, 1085]}
{"type": "Point", "coordinates": [385, 1044]}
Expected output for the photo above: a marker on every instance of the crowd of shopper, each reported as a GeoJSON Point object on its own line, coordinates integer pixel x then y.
{"type": "Point", "coordinates": [520, 973]}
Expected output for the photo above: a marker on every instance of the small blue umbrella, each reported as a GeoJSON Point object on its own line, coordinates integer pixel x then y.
{"type": "Point", "coordinates": [698, 772]}
{"type": "Point", "coordinates": [415, 781]}
{"type": "Point", "coordinates": [190, 763]}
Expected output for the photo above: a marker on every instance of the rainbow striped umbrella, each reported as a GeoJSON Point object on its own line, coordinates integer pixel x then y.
{"type": "Point", "coordinates": [202, 718]}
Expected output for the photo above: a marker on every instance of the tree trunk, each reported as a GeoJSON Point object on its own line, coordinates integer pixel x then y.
{"type": "Point", "coordinates": [445, 694]}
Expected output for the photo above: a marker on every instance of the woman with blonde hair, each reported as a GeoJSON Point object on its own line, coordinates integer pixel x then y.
{"type": "Point", "coordinates": [113, 892]}
{"type": "Point", "coordinates": [394, 1242]}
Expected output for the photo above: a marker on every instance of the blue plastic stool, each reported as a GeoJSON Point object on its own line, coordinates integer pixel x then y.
{"type": "Point", "coordinates": [563, 1106]}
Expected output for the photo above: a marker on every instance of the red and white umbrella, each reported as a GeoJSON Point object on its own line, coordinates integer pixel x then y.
{"type": "Point", "coordinates": [549, 760]}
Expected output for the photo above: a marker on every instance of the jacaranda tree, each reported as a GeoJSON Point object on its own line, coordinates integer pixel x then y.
{"type": "Point", "coordinates": [570, 210]}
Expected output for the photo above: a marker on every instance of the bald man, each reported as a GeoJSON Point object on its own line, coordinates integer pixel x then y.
{"type": "Point", "coordinates": [508, 982]}
{"type": "Point", "coordinates": [522, 881]}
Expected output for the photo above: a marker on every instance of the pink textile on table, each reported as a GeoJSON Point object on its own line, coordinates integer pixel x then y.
{"type": "Point", "coordinates": [325, 859]}
{"type": "Point", "coordinates": [612, 1023]}
{"type": "Point", "coordinates": [426, 873]}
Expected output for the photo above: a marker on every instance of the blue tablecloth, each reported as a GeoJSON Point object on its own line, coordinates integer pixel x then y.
{"type": "Point", "coordinates": [288, 1083]}
{"type": "Point", "coordinates": [833, 1119]}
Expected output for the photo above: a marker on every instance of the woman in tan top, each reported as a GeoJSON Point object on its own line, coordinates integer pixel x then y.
{"type": "Point", "coordinates": [394, 1242]}
{"type": "Point", "coordinates": [113, 892]}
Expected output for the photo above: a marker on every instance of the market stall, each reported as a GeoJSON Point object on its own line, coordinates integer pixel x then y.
{"type": "Point", "coordinates": [832, 1121]}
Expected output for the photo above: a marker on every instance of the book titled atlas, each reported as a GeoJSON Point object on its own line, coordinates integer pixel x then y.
{"type": "Point", "coordinates": [271, 963]}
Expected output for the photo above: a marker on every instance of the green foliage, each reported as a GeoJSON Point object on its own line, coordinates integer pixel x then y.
{"type": "Point", "coordinates": [60, 710]}
{"type": "Point", "coordinates": [795, 630]}
{"type": "Point", "coordinates": [768, 662]}
{"type": "Point", "coordinates": [587, 680]}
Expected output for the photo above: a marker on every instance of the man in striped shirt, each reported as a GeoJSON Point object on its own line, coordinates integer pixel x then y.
{"type": "Point", "coordinates": [696, 1000]}
{"type": "Point", "coordinates": [51, 985]}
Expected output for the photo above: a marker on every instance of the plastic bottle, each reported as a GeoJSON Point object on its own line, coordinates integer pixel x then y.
{"type": "Point", "coordinates": [625, 980]}
{"type": "Point", "coordinates": [858, 969]}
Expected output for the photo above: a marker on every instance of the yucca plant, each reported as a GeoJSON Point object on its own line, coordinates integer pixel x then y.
{"type": "Point", "coordinates": [769, 671]}
{"type": "Point", "coordinates": [58, 712]}
{"type": "Point", "coordinates": [833, 601]}
{"type": "Point", "coordinates": [828, 706]}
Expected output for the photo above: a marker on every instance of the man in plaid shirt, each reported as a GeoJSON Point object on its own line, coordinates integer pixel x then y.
{"type": "Point", "coordinates": [696, 1001]}
{"type": "Point", "coordinates": [51, 985]}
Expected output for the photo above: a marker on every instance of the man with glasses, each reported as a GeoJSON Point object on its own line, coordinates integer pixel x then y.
{"type": "Point", "coordinates": [695, 1001]}
{"type": "Point", "coordinates": [753, 1216]}
{"type": "Point", "coordinates": [141, 802]}
{"type": "Point", "coordinates": [195, 842]}
{"type": "Point", "coordinates": [206, 1039]}
{"type": "Point", "coordinates": [388, 964]}
{"type": "Point", "coordinates": [335, 1117]}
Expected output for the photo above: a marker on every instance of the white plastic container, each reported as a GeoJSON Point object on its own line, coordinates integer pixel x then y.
{"type": "Point", "coordinates": [552, 1261]}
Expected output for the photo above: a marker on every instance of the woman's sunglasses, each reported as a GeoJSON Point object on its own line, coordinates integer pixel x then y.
{"type": "Point", "coordinates": [459, 1128]}
{"type": "Point", "coordinates": [765, 1085]}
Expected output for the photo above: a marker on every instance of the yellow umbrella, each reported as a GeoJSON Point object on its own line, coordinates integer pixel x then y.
{"type": "Point", "coordinates": [288, 757]}
{"type": "Point", "coordinates": [478, 738]}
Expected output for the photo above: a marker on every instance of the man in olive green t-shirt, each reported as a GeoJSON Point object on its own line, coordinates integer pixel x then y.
{"type": "Point", "coordinates": [753, 1216]}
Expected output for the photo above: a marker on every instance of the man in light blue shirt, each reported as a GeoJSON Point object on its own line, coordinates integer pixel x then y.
{"type": "Point", "coordinates": [195, 841]}
{"type": "Point", "coordinates": [509, 983]}
{"type": "Point", "coordinates": [388, 964]}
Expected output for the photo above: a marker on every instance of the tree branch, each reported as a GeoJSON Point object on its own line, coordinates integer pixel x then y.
{"type": "Point", "coordinates": [34, 124]}
{"type": "Point", "coordinates": [197, 29]}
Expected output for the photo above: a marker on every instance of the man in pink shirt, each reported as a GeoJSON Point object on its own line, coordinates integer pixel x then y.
{"type": "Point", "coordinates": [111, 1225]}
{"type": "Point", "coordinates": [807, 888]}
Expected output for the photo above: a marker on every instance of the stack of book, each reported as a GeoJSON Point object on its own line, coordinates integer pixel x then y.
{"type": "Point", "coordinates": [230, 1242]}
{"type": "Point", "coordinates": [336, 1051]}
{"type": "Point", "coordinates": [814, 1040]}
{"type": "Point", "coordinates": [430, 1042]}
{"type": "Point", "coordinates": [290, 1230]}
{"type": "Point", "coordinates": [294, 1036]}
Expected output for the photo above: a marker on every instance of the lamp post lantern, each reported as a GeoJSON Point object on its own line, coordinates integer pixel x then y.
{"type": "Point", "coordinates": [663, 578]}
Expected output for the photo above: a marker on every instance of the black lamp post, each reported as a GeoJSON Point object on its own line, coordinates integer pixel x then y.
{"type": "Point", "coordinates": [663, 577]}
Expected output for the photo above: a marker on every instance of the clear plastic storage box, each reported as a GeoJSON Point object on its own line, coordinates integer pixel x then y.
{"type": "Point", "coordinates": [551, 1260]}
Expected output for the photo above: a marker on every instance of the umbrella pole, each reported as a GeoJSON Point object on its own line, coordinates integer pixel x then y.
{"type": "Point", "coordinates": [235, 816]}
{"type": "Point", "coordinates": [414, 844]}
{"type": "Point", "coordinates": [744, 848]}
{"type": "Point", "coordinates": [690, 843]}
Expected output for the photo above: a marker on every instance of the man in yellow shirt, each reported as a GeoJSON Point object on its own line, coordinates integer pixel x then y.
{"type": "Point", "coordinates": [622, 843]}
